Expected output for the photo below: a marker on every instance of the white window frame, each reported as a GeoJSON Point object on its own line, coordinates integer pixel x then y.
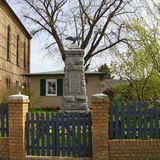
{"type": "Point", "coordinates": [51, 80]}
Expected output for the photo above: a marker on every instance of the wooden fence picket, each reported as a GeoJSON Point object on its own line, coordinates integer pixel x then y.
{"type": "Point", "coordinates": [134, 120]}
{"type": "Point", "coordinates": [3, 120]}
{"type": "Point", "coordinates": [62, 134]}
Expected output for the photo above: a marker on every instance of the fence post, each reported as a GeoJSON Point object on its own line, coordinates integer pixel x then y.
{"type": "Point", "coordinates": [17, 108]}
{"type": "Point", "coordinates": [100, 146]}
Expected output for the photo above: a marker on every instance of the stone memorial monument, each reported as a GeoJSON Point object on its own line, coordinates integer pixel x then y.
{"type": "Point", "coordinates": [74, 87]}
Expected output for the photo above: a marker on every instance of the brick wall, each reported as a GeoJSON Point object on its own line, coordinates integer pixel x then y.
{"type": "Point", "coordinates": [134, 149]}
{"type": "Point", "coordinates": [3, 148]}
{"type": "Point", "coordinates": [8, 68]}
{"type": "Point", "coordinates": [17, 109]}
{"type": "Point", "coordinates": [105, 149]}
{"type": "Point", "coordinates": [55, 158]}
{"type": "Point", "coordinates": [100, 127]}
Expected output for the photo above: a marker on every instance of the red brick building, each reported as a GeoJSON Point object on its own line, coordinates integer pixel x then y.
{"type": "Point", "coordinates": [14, 49]}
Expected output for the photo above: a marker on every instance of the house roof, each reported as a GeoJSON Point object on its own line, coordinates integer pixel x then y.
{"type": "Point", "coordinates": [16, 17]}
{"type": "Point", "coordinates": [113, 82]}
{"type": "Point", "coordinates": [60, 72]}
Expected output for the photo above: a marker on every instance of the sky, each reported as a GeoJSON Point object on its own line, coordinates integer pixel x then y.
{"type": "Point", "coordinates": [39, 61]}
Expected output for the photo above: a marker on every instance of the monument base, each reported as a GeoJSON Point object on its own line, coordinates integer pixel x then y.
{"type": "Point", "coordinates": [74, 111]}
{"type": "Point", "coordinates": [74, 103]}
{"type": "Point", "coordinates": [74, 107]}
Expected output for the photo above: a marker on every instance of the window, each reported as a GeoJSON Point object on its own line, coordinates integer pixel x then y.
{"type": "Point", "coordinates": [8, 83]}
{"type": "Point", "coordinates": [8, 42]}
{"type": "Point", "coordinates": [17, 52]}
{"type": "Point", "coordinates": [28, 56]}
{"type": "Point", "coordinates": [24, 58]}
{"type": "Point", "coordinates": [51, 87]}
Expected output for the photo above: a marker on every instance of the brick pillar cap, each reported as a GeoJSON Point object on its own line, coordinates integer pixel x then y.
{"type": "Point", "coordinates": [18, 97]}
{"type": "Point", "coordinates": [99, 96]}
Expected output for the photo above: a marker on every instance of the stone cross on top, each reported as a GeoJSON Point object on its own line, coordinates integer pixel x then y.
{"type": "Point", "coordinates": [19, 88]}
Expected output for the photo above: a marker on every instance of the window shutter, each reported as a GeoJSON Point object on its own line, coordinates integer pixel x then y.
{"type": "Point", "coordinates": [59, 87]}
{"type": "Point", "coordinates": [42, 87]}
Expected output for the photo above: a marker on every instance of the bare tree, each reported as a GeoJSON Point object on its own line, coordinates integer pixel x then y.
{"type": "Point", "coordinates": [99, 23]}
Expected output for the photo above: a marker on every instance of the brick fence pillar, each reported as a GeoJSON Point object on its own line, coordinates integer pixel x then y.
{"type": "Point", "coordinates": [100, 146]}
{"type": "Point", "coordinates": [17, 108]}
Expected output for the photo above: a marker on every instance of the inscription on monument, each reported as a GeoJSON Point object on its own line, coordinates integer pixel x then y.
{"type": "Point", "coordinates": [74, 83]}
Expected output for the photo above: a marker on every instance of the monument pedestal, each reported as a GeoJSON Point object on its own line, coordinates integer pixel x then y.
{"type": "Point", "coordinates": [74, 81]}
